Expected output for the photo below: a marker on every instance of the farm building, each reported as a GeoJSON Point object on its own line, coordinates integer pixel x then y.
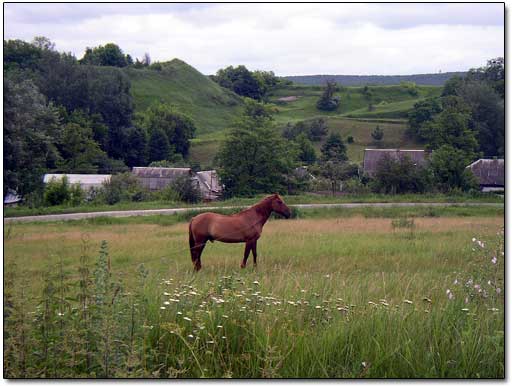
{"type": "Point", "coordinates": [373, 156]}
{"type": "Point", "coordinates": [86, 181]}
{"type": "Point", "coordinates": [12, 198]}
{"type": "Point", "coordinates": [209, 184]}
{"type": "Point", "coordinates": [157, 178]}
{"type": "Point", "coordinates": [490, 174]}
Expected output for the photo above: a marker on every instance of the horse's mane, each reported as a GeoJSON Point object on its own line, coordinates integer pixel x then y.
{"type": "Point", "coordinates": [263, 202]}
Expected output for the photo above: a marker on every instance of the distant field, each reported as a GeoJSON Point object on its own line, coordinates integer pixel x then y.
{"type": "Point", "coordinates": [389, 102]}
{"type": "Point", "coordinates": [332, 296]}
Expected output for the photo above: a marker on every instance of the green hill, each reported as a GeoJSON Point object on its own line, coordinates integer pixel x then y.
{"type": "Point", "coordinates": [212, 107]}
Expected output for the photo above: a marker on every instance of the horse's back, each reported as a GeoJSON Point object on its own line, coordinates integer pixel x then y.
{"type": "Point", "coordinates": [216, 226]}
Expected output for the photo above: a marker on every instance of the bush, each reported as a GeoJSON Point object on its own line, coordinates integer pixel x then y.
{"type": "Point", "coordinates": [355, 186]}
{"type": "Point", "coordinates": [350, 139]}
{"type": "Point", "coordinates": [122, 187]}
{"type": "Point", "coordinates": [186, 190]}
{"type": "Point", "coordinates": [57, 192]}
{"type": "Point", "coordinates": [400, 176]}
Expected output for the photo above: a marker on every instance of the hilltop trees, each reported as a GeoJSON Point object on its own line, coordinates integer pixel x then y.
{"type": "Point", "coordinates": [108, 55]}
{"type": "Point", "coordinates": [245, 83]}
{"type": "Point", "coordinates": [328, 101]}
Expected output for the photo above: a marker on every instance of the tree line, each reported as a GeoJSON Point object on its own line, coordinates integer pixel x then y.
{"type": "Point", "coordinates": [67, 115]}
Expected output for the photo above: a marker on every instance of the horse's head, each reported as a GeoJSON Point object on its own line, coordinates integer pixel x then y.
{"type": "Point", "coordinates": [279, 206]}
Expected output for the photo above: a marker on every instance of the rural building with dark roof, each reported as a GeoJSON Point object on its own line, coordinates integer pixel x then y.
{"type": "Point", "coordinates": [490, 174]}
{"type": "Point", "coordinates": [372, 157]}
{"type": "Point", "coordinates": [157, 178]}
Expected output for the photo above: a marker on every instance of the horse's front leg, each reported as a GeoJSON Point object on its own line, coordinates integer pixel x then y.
{"type": "Point", "coordinates": [246, 254]}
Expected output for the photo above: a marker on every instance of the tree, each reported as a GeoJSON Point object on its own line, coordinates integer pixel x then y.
{"type": "Point", "coordinates": [240, 80]}
{"type": "Point", "coordinates": [328, 101]}
{"type": "Point", "coordinates": [422, 112]}
{"type": "Point", "coordinates": [31, 127]}
{"type": "Point", "coordinates": [448, 166]}
{"type": "Point", "coordinates": [336, 172]}
{"type": "Point", "coordinates": [398, 176]}
{"type": "Point", "coordinates": [307, 154]}
{"type": "Point", "coordinates": [334, 149]}
{"type": "Point", "coordinates": [451, 127]}
{"type": "Point", "coordinates": [158, 147]}
{"type": "Point", "coordinates": [255, 159]}
{"type": "Point", "coordinates": [317, 129]}
{"type": "Point", "coordinates": [137, 153]}
{"type": "Point", "coordinates": [108, 55]}
{"type": "Point", "coordinates": [368, 96]}
{"type": "Point", "coordinates": [377, 134]}
{"type": "Point", "coordinates": [178, 127]}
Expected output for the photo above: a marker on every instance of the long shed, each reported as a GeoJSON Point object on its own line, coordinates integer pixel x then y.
{"type": "Point", "coordinates": [86, 181]}
{"type": "Point", "coordinates": [157, 178]}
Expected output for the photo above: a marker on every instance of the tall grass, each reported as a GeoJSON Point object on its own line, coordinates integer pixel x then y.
{"type": "Point", "coordinates": [295, 321]}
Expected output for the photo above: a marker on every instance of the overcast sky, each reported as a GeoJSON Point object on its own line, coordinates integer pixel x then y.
{"type": "Point", "coordinates": [289, 39]}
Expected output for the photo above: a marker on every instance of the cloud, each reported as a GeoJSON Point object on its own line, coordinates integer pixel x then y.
{"type": "Point", "coordinates": [289, 39]}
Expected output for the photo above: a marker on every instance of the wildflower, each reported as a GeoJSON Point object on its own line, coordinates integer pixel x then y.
{"type": "Point", "coordinates": [167, 303]}
{"type": "Point", "coordinates": [492, 309]}
{"type": "Point", "coordinates": [187, 318]}
{"type": "Point", "coordinates": [219, 326]}
{"type": "Point", "coordinates": [223, 337]}
{"type": "Point", "coordinates": [179, 313]}
{"type": "Point", "coordinates": [489, 282]}
{"type": "Point", "coordinates": [162, 308]}
{"type": "Point", "coordinates": [466, 300]}
{"type": "Point", "coordinates": [498, 290]}
{"type": "Point", "coordinates": [465, 309]}
{"type": "Point", "coordinates": [372, 303]}
{"type": "Point", "coordinates": [318, 307]}
{"type": "Point", "coordinates": [455, 282]}
{"type": "Point", "coordinates": [256, 282]}
{"type": "Point", "coordinates": [190, 336]}
{"type": "Point", "coordinates": [210, 342]}
{"type": "Point", "coordinates": [364, 364]}
{"type": "Point", "coordinates": [407, 301]}
{"type": "Point", "coordinates": [225, 316]}
{"type": "Point", "coordinates": [167, 294]}
{"type": "Point", "coordinates": [449, 294]}
{"type": "Point", "coordinates": [427, 299]}
{"type": "Point", "coordinates": [477, 286]}
{"type": "Point", "coordinates": [473, 239]}
{"type": "Point", "coordinates": [494, 260]}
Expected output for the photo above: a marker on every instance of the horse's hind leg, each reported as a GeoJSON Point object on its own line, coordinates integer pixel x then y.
{"type": "Point", "coordinates": [254, 254]}
{"type": "Point", "coordinates": [196, 251]}
{"type": "Point", "coordinates": [246, 254]}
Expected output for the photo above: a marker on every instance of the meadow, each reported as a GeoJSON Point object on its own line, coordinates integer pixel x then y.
{"type": "Point", "coordinates": [382, 292]}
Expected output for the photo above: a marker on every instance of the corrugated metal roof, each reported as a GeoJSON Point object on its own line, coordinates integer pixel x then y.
{"type": "Point", "coordinates": [159, 172]}
{"type": "Point", "coordinates": [87, 179]}
{"type": "Point", "coordinates": [373, 156]}
{"type": "Point", "coordinates": [489, 172]}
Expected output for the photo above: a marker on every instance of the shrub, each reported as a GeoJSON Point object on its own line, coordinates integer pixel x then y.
{"type": "Point", "coordinates": [57, 192]}
{"type": "Point", "coordinates": [186, 190]}
{"type": "Point", "coordinates": [355, 186]}
{"type": "Point", "coordinates": [350, 139]}
{"type": "Point", "coordinates": [123, 187]}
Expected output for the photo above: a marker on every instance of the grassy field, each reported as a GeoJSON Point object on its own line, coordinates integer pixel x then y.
{"type": "Point", "coordinates": [353, 293]}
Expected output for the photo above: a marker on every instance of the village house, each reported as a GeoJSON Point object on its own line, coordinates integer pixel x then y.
{"type": "Point", "coordinates": [209, 185]}
{"type": "Point", "coordinates": [372, 158]}
{"type": "Point", "coordinates": [490, 174]}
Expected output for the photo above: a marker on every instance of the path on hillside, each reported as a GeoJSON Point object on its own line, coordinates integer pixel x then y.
{"type": "Point", "coordinates": [149, 212]}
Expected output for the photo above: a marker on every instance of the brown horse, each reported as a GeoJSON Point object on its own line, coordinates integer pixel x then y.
{"type": "Point", "coordinates": [244, 227]}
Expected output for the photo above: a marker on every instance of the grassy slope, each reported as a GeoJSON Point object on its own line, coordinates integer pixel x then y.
{"type": "Point", "coordinates": [211, 107]}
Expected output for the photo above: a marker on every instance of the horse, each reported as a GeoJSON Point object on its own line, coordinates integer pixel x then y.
{"type": "Point", "coordinates": [243, 227]}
